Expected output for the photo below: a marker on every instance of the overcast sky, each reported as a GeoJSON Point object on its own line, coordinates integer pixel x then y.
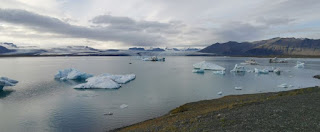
{"type": "Point", "coordinates": [154, 23]}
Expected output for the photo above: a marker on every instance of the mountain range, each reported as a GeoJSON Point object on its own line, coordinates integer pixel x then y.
{"type": "Point", "coordinates": [274, 46]}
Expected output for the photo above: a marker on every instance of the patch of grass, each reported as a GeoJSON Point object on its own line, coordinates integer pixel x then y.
{"type": "Point", "coordinates": [180, 109]}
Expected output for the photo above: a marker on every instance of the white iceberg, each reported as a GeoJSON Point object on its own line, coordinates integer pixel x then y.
{"type": "Point", "coordinates": [219, 72]}
{"type": "Point", "coordinates": [263, 71]}
{"type": "Point", "coordinates": [198, 71]}
{"type": "Point", "coordinates": [219, 93]}
{"type": "Point", "coordinates": [238, 68]}
{"type": "Point", "coordinates": [71, 74]}
{"type": "Point", "coordinates": [238, 88]}
{"type": "Point", "coordinates": [153, 58]}
{"type": "Point", "coordinates": [108, 81]}
{"type": "Point", "coordinates": [121, 79]}
{"type": "Point", "coordinates": [4, 81]}
{"type": "Point", "coordinates": [123, 106]}
{"type": "Point", "coordinates": [299, 64]}
{"type": "Point", "coordinates": [284, 85]}
{"type": "Point", "coordinates": [208, 66]}
{"type": "Point", "coordinates": [98, 82]}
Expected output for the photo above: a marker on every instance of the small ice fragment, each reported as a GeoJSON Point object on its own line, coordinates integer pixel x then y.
{"type": "Point", "coordinates": [219, 72]}
{"type": "Point", "coordinates": [220, 93]}
{"type": "Point", "coordinates": [238, 88]}
{"type": "Point", "coordinates": [198, 71]}
{"type": "Point", "coordinates": [238, 68]}
{"type": "Point", "coordinates": [299, 65]}
{"type": "Point", "coordinates": [123, 106]}
{"type": "Point", "coordinates": [284, 85]}
{"type": "Point", "coordinates": [263, 71]}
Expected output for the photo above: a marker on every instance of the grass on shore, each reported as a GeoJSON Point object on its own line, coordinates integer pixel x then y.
{"type": "Point", "coordinates": [187, 117]}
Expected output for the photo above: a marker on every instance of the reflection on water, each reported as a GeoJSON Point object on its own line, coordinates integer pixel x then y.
{"type": "Point", "coordinates": [41, 103]}
{"type": "Point", "coordinates": [5, 93]}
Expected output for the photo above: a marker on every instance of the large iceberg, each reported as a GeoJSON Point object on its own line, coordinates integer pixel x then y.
{"type": "Point", "coordinates": [208, 66]}
{"type": "Point", "coordinates": [98, 82]}
{"type": "Point", "coordinates": [71, 74]}
{"type": "Point", "coordinates": [108, 81]}
{"type": "Point", "coordinates": [238, 68]}
{"type": "Point", "coordinates": [4, 81]}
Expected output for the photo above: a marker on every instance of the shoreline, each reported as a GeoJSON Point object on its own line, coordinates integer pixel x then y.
{"type": "Point", "coordinates": [250, 112]}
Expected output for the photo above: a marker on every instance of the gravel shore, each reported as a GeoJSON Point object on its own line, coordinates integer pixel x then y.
{"type": "Point", "coordinates": [296, 110]}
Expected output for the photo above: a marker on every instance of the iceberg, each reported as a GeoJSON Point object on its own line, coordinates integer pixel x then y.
{"type": "Point", "coordinates": [238, 88]}
{"type": "Point", "coordinates": [121, 79]}
{"type": "Point", "coordinates": [238, 68]}
{"type": "Point", "coordinates": [299, 64]}
{"type": "Point", "coordinates": [198, 71]}
{"type": "Point", "coordinates": [219, 93]}
{"type": "Point", "coordinates": [4, 81]}
{"type": "Point", "coordinates": [263, 71]}
{"type": "Point", "coordinates": [153, 58]}
{"type": "Point", "coordinates": [107, 81]}
{"type": "Point", "coordinates": [219, 72]}
{"type": "Point", "coordinates": [98, 82]}
{"type": "Point", "coordinates": [71, 74]}
{"type": "Point", "coordinates": [208, 66]}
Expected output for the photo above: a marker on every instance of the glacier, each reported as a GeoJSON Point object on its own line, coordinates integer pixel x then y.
{"type": "Point", "coordinates": [208, 66]}
{"type": "Point", "coordinates": [71, 74]}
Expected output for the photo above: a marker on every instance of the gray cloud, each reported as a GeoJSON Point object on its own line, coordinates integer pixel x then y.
{"type": "Point", "coordinates": [53, 25]}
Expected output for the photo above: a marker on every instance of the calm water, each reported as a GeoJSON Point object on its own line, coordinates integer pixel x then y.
{"type": "Point", "coordinates": [39, 103]}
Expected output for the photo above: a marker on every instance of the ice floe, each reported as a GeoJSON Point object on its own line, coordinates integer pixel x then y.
{"type": "Point", "coordinates": [107, 81]}
{"type": "Point", "coordinates": [71, 74]}
{"type": "Point", "coordinates": [208, 66]}
{"type": "Point", "coordinates": [238, 88]}
{"type": "Point", "coordinates": [4, 81]}
{"type": "Point", "coordinates": [98, 82]}
{"type": "Point", "coordinates": [198, 71]}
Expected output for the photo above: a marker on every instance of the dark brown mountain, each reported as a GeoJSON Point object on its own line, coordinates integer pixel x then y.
{"type": "Point", "coordinates": [275, 46]}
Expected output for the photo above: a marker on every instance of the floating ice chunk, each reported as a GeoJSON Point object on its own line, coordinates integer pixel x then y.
{"type": "Point", "coordinates": [208, 66]}
{"type": "Point", "coordinates": [238, 88]}
{"type": "Point", "coordinates": [198, 71]}
{"type": "Point", "coordinates": [4, 81]}
{"type": "Point", "coordinates": [98, 82]}
{"type": "Point", "coordinates": [277, 71]}
{"type": "Point", "coordinates": [238, 68]}
{"type": "Point", "coordinates": [284, 85]}
{"type": "Point", "coordinates": [122, 79]}
{"type": "Point", "coordinates": [123, 106]}
{"type": "Point", "coordinates": [71, 74]}
{"type": "Point", "coordinates": [299, 65]}
{"type": "Point", "coordinates": [219, 93]}
{"type": "Point", "coordinates": [219, 72]}
{"type": "Point", "coordinates": [153, 58]}
{"type": "Point", "coordinates": [109, 113]}
{"type": "Point", "coordinates": [263, 71]}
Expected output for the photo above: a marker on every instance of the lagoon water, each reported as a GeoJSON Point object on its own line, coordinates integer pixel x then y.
{"type": "Point", "coordinates": [40, 103]}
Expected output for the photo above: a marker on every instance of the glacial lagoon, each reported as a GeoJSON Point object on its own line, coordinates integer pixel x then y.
{"type": "Point", "coordinates": [41, 103]}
